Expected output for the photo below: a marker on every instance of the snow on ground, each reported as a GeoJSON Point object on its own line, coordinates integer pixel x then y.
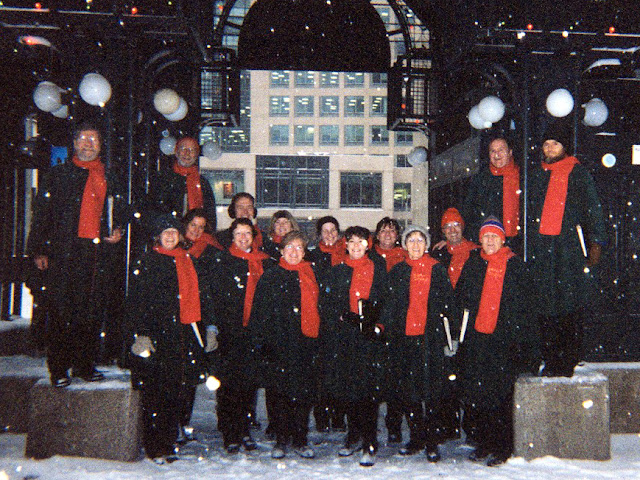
{"type": "Point", "coordinates": [205, 459]}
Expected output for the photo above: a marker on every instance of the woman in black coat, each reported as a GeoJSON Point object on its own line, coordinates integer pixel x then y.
{"type": "Point", "coordinates": [234, 282]}
{"type": "Point", "coordinates": [500, 342]}
{"type": "Point", "coordinates": [285, 325]}
{"type": "Point", "coordinates": [419, 298]}
{"type": "Point", "coordinates": [168, 337]}
{"type": "Point", "coordinates": [354, 352]}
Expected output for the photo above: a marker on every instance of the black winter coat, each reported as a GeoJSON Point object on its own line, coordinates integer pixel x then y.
{"type": "Point", "coordinates": [233, 360]}
{"type": "Point", "coordinates": [491, 363]}
{"type": "Point", "coordinates": [54, 231]}
{"type": "Point", "coordinates": [416, 363]}
{"type": "Point", "coordinates": [287, 357]}
{"type": "Point", "coordinates": [354, 364]}
{"type": "Point", "coordinates": [153, 310]}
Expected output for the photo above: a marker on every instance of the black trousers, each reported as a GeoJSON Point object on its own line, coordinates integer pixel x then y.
{"type": "Point", "coordinates": [234, 402]}
{"type": "Point", "coordinates": [561, 343]}
{"type": "Point", "coordinates": [289, 418]}
{"type": "Point", "coordinates": [492, 425]}
{"type": "Point", "coordinates": [362, 423]}
{"type": "Point", "coordinates": [424, 423]}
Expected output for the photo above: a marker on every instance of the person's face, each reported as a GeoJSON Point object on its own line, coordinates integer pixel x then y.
{"type": "Point", "coordinates": [187, 152]}
{"type": "Point", "coordinates": [293, 252]}
{"type": "Point", "coordinates": [453, 233]}
{"type": "Point", "coordinates": [357, 247]}
{"type": "Point", "coordinates": [244, 208]}
{"type": "Point", "coordinates": [195, 228]}
{"type": "Point", "coordinates": [553, 151]}
{"type": "Point", "coordinates": [387, 237]}
{"type": "Point", "coordinates": [416, 245]}
{"type": "Point", "coordinates": [243, 237]}
{"type": "Point", "coordinates": [282, 227]}
{"type": "Point", "coordinates": [87, 146]}
{"type": "Point", "coordinates": [499, 153]}
{"type": "Point", "coordinates": [169, 238]}
{"type": "Point", "coordinates": [491, 243]}
{"type": "Point", "coordinates": [329, 234]}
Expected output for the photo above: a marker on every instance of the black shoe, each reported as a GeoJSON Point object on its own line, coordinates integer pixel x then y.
{"type": "Point", "coordinates": [394, 437]}
{"type": "Point", "coordinates": [249, 444]}
{"type": "Point", "coordinates": [368, 458]}
{"type": "Point", "coordinates": [61, 382]}
{"type": "Point", "coordinates": [232, 448]}
{"type": "Point", "coordinates": [410, 448]}
{"type": "Point", "coordinates": [432, 453]}
{"type": "Point", "coordinates": [479, 454]}
{"type": "Point", "coordinates": [93, 376]}
{"type": "Point", "coordinates": [496, 459]}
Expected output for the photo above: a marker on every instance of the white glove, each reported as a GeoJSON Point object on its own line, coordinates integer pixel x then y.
{"type": "Point", "coordinates": [212, 341]}
{"type": "Point", "coordinates": [143, 346]}
{"type": "Point", "coordinates": [451, 352]}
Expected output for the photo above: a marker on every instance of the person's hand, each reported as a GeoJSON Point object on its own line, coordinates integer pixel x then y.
{"type": "Point", "coordinates": [594, 255]}
{"type": "Point", "coordinates": [42, 262]}
{"type": "Point", "coordinates": [440, 245]}
{"type": "Point", "coordinates": [115, 236]}
{"type": "Point", "coordinates": [143, 346]}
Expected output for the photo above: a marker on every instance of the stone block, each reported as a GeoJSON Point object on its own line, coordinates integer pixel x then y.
{"type": "Point", "coordinates": [562, 417]}
{"type": "Point", "coordinates": [99, 420]}
{"type": "Point", "coordinates": [624, 393]}
{"type": "Point", "coordinates": [17, 375]}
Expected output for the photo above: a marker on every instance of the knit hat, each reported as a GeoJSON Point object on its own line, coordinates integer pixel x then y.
{"type": "Point", "coordinates": [164, 222]}
{"type": "Point", "coordinates": [451, 215]}
{"type": "Point", "coordinates": [561, 131]}
{"type": "Point", "coordinates": [492, 225]}
{"type": "Point", "coordinates": [415, 228]}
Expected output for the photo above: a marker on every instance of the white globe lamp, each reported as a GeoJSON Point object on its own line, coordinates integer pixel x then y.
{"type": "Point", "coordinates": [560, 102]}
{"type": "Point", "coordinates": [166, 101]}
{"type": "Point", "coordinates": [476, 120]}
{"type": "Point", "coordinates": [595, 112]}
{"type": "Point", "coordinates": [180, 113]}
{"type": "Point", "coordinates": [168, 145]}
{"type": "Point", "coordinates": [95, 89]}
{"type": "Point", "coordinates": [491, 109]}
{"type": "Point", "coordinates": [211, 150]}
{"type": "Point", "coordinates": [46, 96]}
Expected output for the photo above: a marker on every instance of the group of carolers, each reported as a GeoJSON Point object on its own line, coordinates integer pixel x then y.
{"type": "Point", "coordinates": [336, 329]}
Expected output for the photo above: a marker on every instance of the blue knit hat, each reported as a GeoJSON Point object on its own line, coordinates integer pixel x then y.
{"type": "Point", "coordinates": [493, 225]}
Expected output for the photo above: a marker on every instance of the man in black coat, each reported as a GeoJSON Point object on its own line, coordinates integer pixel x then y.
{"type": "Point", "coordinates": [181, 188]}
{"type": "Point", "coordinates": [74, 238]}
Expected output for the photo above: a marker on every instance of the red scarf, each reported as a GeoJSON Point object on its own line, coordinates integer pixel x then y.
{"type": "Point", "coordinates": [198, 246]}
{"type": "Point", "coordinates": [392, 256]}
{"type": "Point", "coordinates": [277, 239]}
{"type": "Point", "coordinates": [309, 294]}
{"type": "Point", "coordinates": [194, 189]}
{"type": "Point", "coordinates": [556, 197]}
{"type": "Point", "coordinates": [254, 258]}
{"type": "Point", "coordinates": [510, 196]}
{"type": "Point", "coordinates": [459, 255]}
{"type": "Point", "coordinates": [257, 240]}
{"type": "Point", "coordinates": [188, 290]}
{"type": "Point", "coordinates": [487, 316]}
{"type": "Point", "coordinates": [338, 251]}
{"type": "Point", "coordinates": [95, 191]}
{"type": "Point", "coordinates": [361, 280]}
{"type": "Point", "coordinates": [419, 287]}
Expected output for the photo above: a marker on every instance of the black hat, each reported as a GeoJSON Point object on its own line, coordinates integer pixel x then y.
{"type": "Point", "coordinates": [561, 131]}
{"type": "Point", "coordinates": [164, 222]}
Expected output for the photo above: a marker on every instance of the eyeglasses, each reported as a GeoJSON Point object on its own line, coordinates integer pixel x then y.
{"type": "Point", "coordinates": [297, 248]}
{"type": "Point", "coordinates": [89, 139]}
{"type": "Point", "coordinates": [416, 240]}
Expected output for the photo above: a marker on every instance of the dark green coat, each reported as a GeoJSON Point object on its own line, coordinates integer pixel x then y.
{"type": "Point", "coordinates": [153, 310]}
{"type": "Point", "coordinates": [354, 364]}
{"type": "Point", "coordinates": [232, 359]}
{"type": "Point", "coordinates": [416, 363]}
{"type": "Point", "coordinates": [557, 262]}
{"type": "Point", "coordinates": [287, 357]}
{"type": "Point", "coordinates": [483, 199]}
{"type": "Point", "coordinates": [491, 363]}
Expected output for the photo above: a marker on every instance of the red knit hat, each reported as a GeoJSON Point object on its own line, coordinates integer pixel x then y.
{"type": "Point", "coordinates": [492, 225]}
{"type": "Point", "coordinates": [451, 215]}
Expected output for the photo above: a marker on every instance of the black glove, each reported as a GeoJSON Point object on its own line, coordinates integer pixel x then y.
{"type": "Point", "coordinates": [351, 317]}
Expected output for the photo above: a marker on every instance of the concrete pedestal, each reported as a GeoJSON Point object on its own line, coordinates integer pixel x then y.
{"type": "Point", "coordinates": [17, 375]}
{"type": "Point", "coordinates": [624, 392]}
{"type": "Point", "coordinates": [100, 420]}
{"type": "Point", "coordinates": [562, 417]}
